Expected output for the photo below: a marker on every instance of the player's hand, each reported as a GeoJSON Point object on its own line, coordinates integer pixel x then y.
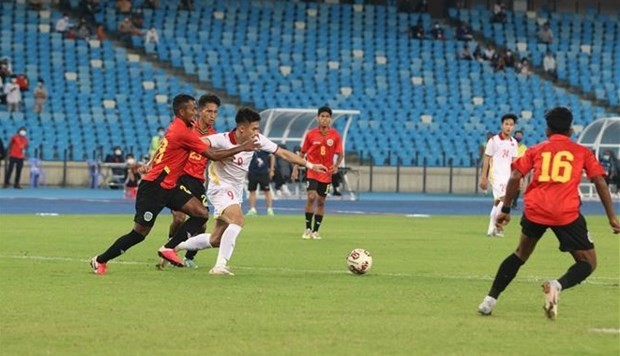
{"type": "Point", "coordinates": [615, 226]}
{"type": "Point", "coordinates": [334, 170]}
{"type": "Point", "coordinates": [319, 168]}
{"type": "Point", "coordinates": [145, 168]}
{"type": "Point", "coordinates": [484, 184]}
{"type": "Point", "coordinates": [295, 173]}
{"type": "Point", "coordinates": [252, 144]}
{"type": "Point", "coordinates": [502, 220]}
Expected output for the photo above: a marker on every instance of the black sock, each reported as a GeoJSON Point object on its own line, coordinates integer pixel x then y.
{"type": "Point", "coordinates": [191, 254]}
{"type": "Point", "coordinates": [576, 274]}
{"type": "Point", "coordinates": [505, 274]}
{"type": "Point", "coordinates": [317, 222]}
{"type": "Point", "coordinates": [121, 245]}
{"type": "Point", "coordinates": [189, 228]}
{"type": "Point", "coordinates": [309, 220]}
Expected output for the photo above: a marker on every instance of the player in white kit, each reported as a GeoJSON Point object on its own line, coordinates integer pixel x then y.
{"type": "Point", "coordinates": [501, 150]}
{"type": "Point", "coordinates": [225, 190]}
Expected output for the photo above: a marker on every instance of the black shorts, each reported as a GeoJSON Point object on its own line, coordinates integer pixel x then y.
{"type": "Point", "coordinates": [572, 237]}
{"type": "Point", "coordinates": [195, 186]}
{"type": "Point", "coordinates": [255, 179]}
{"type": "Point", "coordinates": [321, 189]}
{"type": "Point", "coordinates": [152, 198]}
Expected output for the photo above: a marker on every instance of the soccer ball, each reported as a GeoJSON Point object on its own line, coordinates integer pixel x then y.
{"type": "Point", "coordinates": [359, 261]}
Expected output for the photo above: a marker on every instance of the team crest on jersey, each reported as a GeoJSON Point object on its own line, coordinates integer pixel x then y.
{"type": "Point", "coordinates": [148, 216]}
{"type": "Point", "coordinates": [330, 142]}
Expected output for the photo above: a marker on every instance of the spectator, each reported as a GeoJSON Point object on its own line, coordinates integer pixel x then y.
{"type": "Point", "coordinates": [82, 30]}
{"type": "Point", "coordinates": [6, 69]}
{"type": "Point", "coordinates": [523, 67]}
{"type": "Point", "coordinates": [119, 174]}
{"type": "Point", "coordinates": [137, 18]}
{"type": "Point", "coordinates": [417, 31]}
{"type": "Point", "coordinates": [13, 95]}
{"type": "Point", "coordinates": [100, 32]}
{"type": "Point", "coordinates": [151, 4]}
{"type": "Point", "coordinates": [23, 82]}
{"type": "Point", "coordinates": [465, 53]}
{"type": "Point", "coordinates": [127, 29]}
{"type": "Point", "coordinates": [478, 54]}
{"type": "Point", "coordinates": [36, 171]}
{"type": "Point", "coordinates": [545, 35]}
{"type": "Point", "coordinates": [509, 58]}
{"type": "Point", "coordinates": [437, 32]}
{"type": "Point", "coordinates": [63, 25]}
{"type": "Point", "coordinates": [17, 152]}
{"type": "Point", "coordinates": [463, 32]}
{"type": "Point", "coordinates": [499, 12]}
{"type": "Point", "coordinates": [549, 64]}
{"type": "Point", "coordinates": [40, 96]}
{"type": "Point", "coordinates": [151, 36]}
{"type": "Point", "coordinates": [133, 176]}
{"type": "Point", "coordinates": [489, 53]}
{"type": "Point", "coordinates": [123, 6]}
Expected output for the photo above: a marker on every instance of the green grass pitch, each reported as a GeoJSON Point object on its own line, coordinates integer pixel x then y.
{"type": "Point", "coordinates": [295, 297]}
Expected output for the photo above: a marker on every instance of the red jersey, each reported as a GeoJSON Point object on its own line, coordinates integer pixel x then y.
{"type": "Point", "coordinates": [172, 154]}
{"type": "Point", "coordinates": [552, 198]}
{"type": "Point", "coordinates": [320, 148]}
{"type": "Point", "coordinates": [18, 146]}
{"type": "Point", "coordinates": [197, 163]}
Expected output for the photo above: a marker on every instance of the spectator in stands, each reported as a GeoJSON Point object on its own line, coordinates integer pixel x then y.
{"type": "Point", "coordinates": [509, 58]}
{"type": "Point", "coordinates": [499, 12]}
{"type": "Point", "coordinates": [151, 4]}
{"type": "Point", "coordinates": [63, 25]}
{"type": "Point", "coordinates": [465, 53]}
{"type": "Point", "coordinates": [6, 69]}
{"type": "Point", "coordinates": [100, 32]}
{"type": "Point", "coordinates": [118, 174]}
{"type": "Point", "coordinates": [127, 29]}
{"type": "Point", "coordinates": [545, 35]}
{"type": "Point", "coordinates": [498, 61]}
{"type": "Point", "coordinates": [123, 6]}
{"type": "Point", "coordinates": [523, 67]}
{"type": "Point", "coordinates": [437, 32]}
{"type": "Point", "coordinates": [13, 95]}
{"type": "Point", "coordinates": [549, 64]}
{"type": "Point", "coordinates": [151, 36]}
{"type": "Point", "coordinates": [40, 96]}
{"type": "Point", "coordinates": [137, 18]}
{"type": "Point", "coordinates": [478, 54]}
{"type": "Point", "coordinates": [489, 53]}
{"type": "Point", "coordinates": [82, 30]}
{"type": "Point", "coordinates": [417, 31]}
{"type": "Point", "coordinates": [17, 152]}
{"type": "Point", "coordinates": [36, 171]}
{"type": "Point", "coordinates": [463, 32]}
{"type": "Point", "coordinates": [133, 176]}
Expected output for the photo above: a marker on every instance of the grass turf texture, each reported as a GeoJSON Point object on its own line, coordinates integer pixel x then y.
{"type": "Point", "coordinates": [292, 296]}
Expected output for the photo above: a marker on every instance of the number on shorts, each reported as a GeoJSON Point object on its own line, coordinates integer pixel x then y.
{"type": "Point", "coordinates": [230, 194]}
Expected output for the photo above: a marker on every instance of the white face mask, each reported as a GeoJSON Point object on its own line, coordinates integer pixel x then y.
{"type": "Point", "coordinates": [22, 132]}
{"type": "Point", "coordinates": [118, 152]}
{"type": "Point", "coordinates": [131, 161]}
{"type": "Point", "coordinates": [161, 133]}
{"type": "Point", "coordinates": [606, 158]}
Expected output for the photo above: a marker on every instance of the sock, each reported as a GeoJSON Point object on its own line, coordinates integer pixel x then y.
{"type": "Point", "coordinates": [121, 245]}
{"type": "Point", "coordinates": [317, 222]}
{"type": "Point", "coordinates": [227, 246]}
{"type": "Point", "coordinates": [576, 274]}
{"type": "Point", "coordinates": [498, 209]}
{"type": "Point", "coordinates": [191, 254]}
{"type": "Point", "coordinates": [492, 220]}
{"type": "Point", "coordinates": [189, 227]}
{"type": "Point", "coordinates": [505, 274]}
{"type": "Point", "coordinates": [195, 243]}
{"type": "Point", "coordinates": [309, 220]}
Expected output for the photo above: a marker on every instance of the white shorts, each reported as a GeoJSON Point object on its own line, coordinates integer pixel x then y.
{"type": "Point", "coordinates": [221, 197]}
{"type": "Point", "coordinates": [499, 186]}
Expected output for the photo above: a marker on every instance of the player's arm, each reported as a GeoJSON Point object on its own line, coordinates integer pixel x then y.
{"type": "Point", "coordinates": [295, 171]}
{"type": "Point", "coordinates": [218, 155]}
{"type": "Point", "coordinates": [512, 188]}
{"type": "Point", "coordinates": [485, 172]}
{"type": "Point", "coordinates": [603, 193]}
{"type": "Point", "coordinates": [272, 165]}
{"type": "Point", "coordinates": [293, 158]}
{"type": "Point", "coordinates": [338, 162]}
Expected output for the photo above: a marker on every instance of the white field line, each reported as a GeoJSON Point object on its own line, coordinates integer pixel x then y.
{"type": "Point", "coordinates": [613, 281]}
{"type": "Point", "coordinates": [605, 331]}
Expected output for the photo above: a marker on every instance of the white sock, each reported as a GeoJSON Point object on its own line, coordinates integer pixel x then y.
{"type": "Point", "coordinates": [194, 243]}
{"type": "Point", "coordinates": [492, 220]}
{"type": "Point", "coordinates": [227, 245]}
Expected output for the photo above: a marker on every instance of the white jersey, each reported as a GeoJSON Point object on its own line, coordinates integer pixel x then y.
{"type": "Point", "coordinates": [233, 170]}
{"type": "Point", "coordinates": [502, 153]}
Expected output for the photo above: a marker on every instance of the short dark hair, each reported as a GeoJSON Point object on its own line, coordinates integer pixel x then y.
{"type": "Point", "coordinates": [246, 116]}
{"type": "Point", "coordinates": [519, 131]}
{"type": "Point", "coordinates": [559, 119]}
{"type": "Point", "coordinates": [510, 116]}
{"type": "Point", "coordinates": [179, 101]}
{"type": "Point", "coordinates": [326, 109]}
{"type": "Point", "coordinates": [208, 98]}
{"type": "Point", "coordinates": [160, 128]}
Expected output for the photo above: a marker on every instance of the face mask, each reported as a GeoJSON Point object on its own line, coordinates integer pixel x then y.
{"type": "Point", "coordinates": [606, 158]}
{"type": "Point", "coordinates": [22, 132]}
{"type": "Point", "coordinates": [519, 139]}
{"type": "Point", "coordinates": [118, 152]}
{"type": "Point", "coordinates": [160, 133]}
{"type": "Point", "coordinates": [131, 161]}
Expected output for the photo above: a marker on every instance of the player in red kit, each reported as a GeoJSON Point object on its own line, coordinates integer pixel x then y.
{"type": "Point", "coordinates": [159, 189]}
{"type": "Point", "coordinates": [320, 145]}
{"type": "Point", "coordinates": [193, 177]}
{"type": "Point", "coordinates": [552, 202]}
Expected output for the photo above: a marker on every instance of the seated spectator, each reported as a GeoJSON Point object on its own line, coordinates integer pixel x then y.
{"type": "Point", "coordinates": [151, 36]}
{"type": "Point", "coordinates": [465, 53]}
{"type": "Point", "coordinates": [489, 53]}
{"type": "Point", "coordinates": [509, 58]}
{"type": "Point", "coordinates": [82, 30]}
{"type": "Point", "coordinates": [478, 54]}
{"type": "Point", "coordinates": [100, 32]}
{"type": "Point", "coordinates": [499, 12]}
{"type": "Point", "coordinates": [123, 6]}
{"type": "Point", "coordinates": [549, 64]}
{"type": "Point", "coordinates": [137, 18]}
{"type": "Point", "coordinates": [127, 29]}
{"type": "Point", "coordinates": [463, 32]}
{"type": "Point", "coordinates": [13, 95]}
{"type": "Point", "coordinates": [119, 173]}
{"type": "Point", "coordinates": [523, 67]}
{"type": "Point", "coordinates": [545, 35]}
{"type": "Point", "coordinates": [498, 61]}
{"type": "Point", "coordinates": [437, 32]}
{"type": "Point", "coordinates": [417, 31]}
{"type": "Point", "coordinates": [6, 69]}
{"type": "Point", "coordinates": [63, 25]}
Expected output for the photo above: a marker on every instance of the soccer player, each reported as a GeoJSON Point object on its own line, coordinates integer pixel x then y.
{"type": "Point", "coordinates": [193, 177]}
{"type": "Point", "coordinates": [521, 148]}
{"type": "Point", "coordinates": [225, 190]}
{"type": "Point", "coordinates": [320, 144]}
{"type": "Point", "coordinates": [260, 173]}
{"type": "Point", "coordinates": [500, 152]}
{"type": "Point", "coordinates": [159, 188]}
{"type": "Point", "coordinates": [552, 201]}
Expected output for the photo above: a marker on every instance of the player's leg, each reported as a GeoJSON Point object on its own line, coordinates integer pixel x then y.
{"type": "Point", "coordinates": [233, 216]}
{"type": "Point", "coordinates": [263, 184]}
{"type": "Point", "coordinates": [150, 201]}
{"type": "Point", "coordinates": [573, 238]}
{"type": "Point", "coordinates": [508, 269]}
{"type": "Point", "coordinates": [499, 190]}
{"type": "Point", "coordinates": [178, 218]}
{"type": "Point", "coordinates": [322, 191]}
{"type": "Point", "coordinates": [312, 186]}
{"type": "Point", "coordinates": [252, 186]}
